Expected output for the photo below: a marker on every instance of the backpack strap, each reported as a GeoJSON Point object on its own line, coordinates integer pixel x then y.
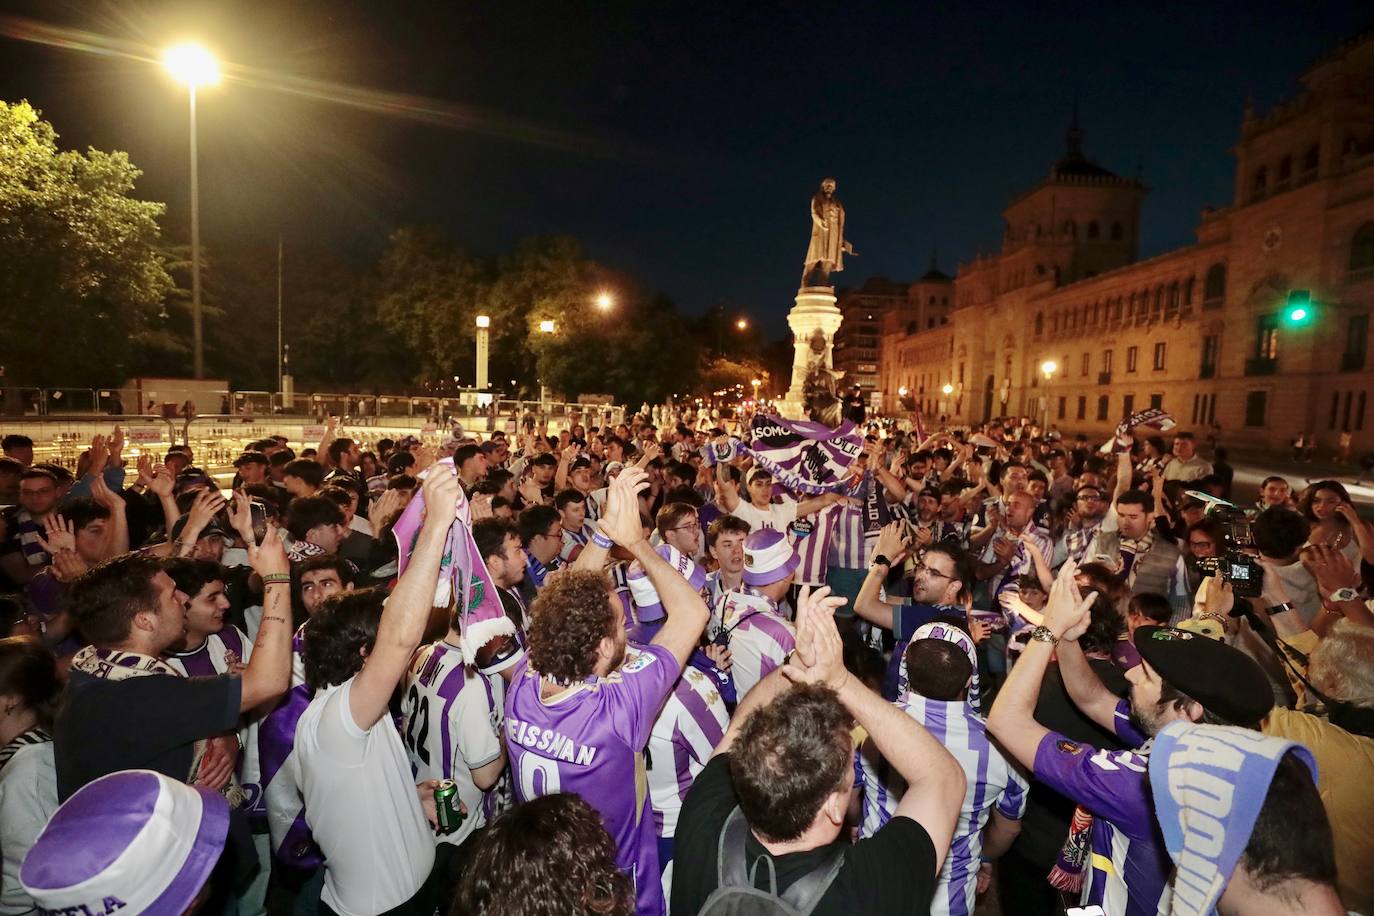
{"type": "Point", "coordinates": [732, 869]}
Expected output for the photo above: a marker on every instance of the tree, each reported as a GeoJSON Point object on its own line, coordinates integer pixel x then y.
{"type": "Point", "coordinates": [81, 277]}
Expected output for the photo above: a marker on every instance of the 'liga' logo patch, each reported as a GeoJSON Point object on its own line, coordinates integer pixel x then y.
{"type": "Point", "coordinates": [1068, 747]}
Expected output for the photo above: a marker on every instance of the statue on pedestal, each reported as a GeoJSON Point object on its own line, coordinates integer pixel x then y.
{"type": "Point", "coordinates": [820, 397]}
{"type": "Point", "coordinates": [828, 247]}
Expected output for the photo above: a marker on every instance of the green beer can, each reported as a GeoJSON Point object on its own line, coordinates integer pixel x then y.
{"type": "Point", "coordinates": [448, 809]}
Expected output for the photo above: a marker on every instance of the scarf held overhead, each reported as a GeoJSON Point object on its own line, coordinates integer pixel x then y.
{"type": "Point", "coordinates": [463, 575]}
{"type": "Point", "coordinates": [804, 457]}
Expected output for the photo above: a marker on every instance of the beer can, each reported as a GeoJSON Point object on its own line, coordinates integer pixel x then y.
{"type": "Point", "coordinates": [448, 809]}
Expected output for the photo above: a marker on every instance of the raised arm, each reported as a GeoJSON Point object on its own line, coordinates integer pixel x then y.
{"type": "Point", "coordinates": [935, 781]}
{"type": "Point", "coordinates": [1012, 718]}
{"type": "Point", "coordinates": [407, 609]}
{"type": "Point", "coordinates": [817, 503]}
{"type": "Point", "coordinates": [869, 604]}
{"type": "Point", "coordinates": [268, 674]}
{"type": "Point", "coordinates": [565, 458]}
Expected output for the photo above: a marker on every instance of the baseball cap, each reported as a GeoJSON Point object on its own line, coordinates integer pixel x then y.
{"type": "Point", "coordinates": [1225, 680]}
{"type": "Point", "coordinates": [768, 557]}
{"type": "Point", "coordinates": [648, 605]}
{"type": "Point", "coordinates": [580, 462]}
{"type": "Point", "coordinates": [757, 472]}
{"type": "Point", "coordinates": [135, 837]}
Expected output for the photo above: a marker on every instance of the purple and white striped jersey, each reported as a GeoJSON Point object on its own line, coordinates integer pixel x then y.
{"type": "Point", "coordinates": [571, 541]}
{"type": "Point", "coordinates": [759, 639]}
{"type": "Point", "coordinates": [1128, 868]}
{"type": "Point", "coordinates": [850, 545]}
{"type": "Point", "coordinates": [811, 542]}
{"type": "Point", "coordinates": [588, 739]}
{"type": "Point", "coordinates": [716, 593]}
{"type": "Point", "coordinates": [692, 722]}
{"type": "Point", "coordinates": [212, 658]}
{"type": "Point", "coordinates": [452, 726]}
{"type": "Point", "coordinates": [992, 783]}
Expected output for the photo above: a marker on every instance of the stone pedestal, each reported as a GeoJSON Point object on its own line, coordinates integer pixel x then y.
{"type": "Point", "coordinates": [814, 321]}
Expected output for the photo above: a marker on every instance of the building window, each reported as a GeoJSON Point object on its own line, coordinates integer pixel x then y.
{"type": "Point", "coordinates": [1171, 309]}
{"type": "Point", "coordinates": [1082, 407]}
{"type": "Point", "coordinates": [1116, 309]}
{"type": "Point", "coordinates": [1211, 346]}
{"type": "Point", "coordinates": [1260, 183]}
{"type": "Point", "coordinates": [1130, 358]}
{"type": "Point", "coordinates": [1267, 337]}
{"type": "Point", "coordinates": [1256, 403]}
{"type": "Point", "coordinates": [1103, 402]}
{"type": "Point", "coordinates": [1335, 409]}
{"type": "Point", "coordinates": [1093, 230]}
{"type": "Point", "coordinates": [1087, 364]}
{"type": "Point", "coordinates": [1356, 342]}
{"type": "Point", "coordinates": [1285, 170]}
{"type": "Point", "coordinates": [1157, 308]}
{"type": "Point", "coordinates": [1039, 323]}
{"type": "Point", "coordinates": [1188, 292]}
{"type": "Point", "coordinates": [1214, 289]}
{"type": "Point", "coordinates": [1106, 360]}
{"type": "Point", "coordinates": [1157, 401]}
{"type": "Point", "coordinates": [1310, 158]}
{"type": "Point", "coordinates": [1362, 250]}
{"type": "Point", "coordinates": [1159, 356]}
{"type": "Point", "coordinates": [1118, 233]}
{"type": "Point", "coordinates": [1127, 405]}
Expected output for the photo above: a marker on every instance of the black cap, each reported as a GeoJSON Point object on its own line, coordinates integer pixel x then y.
{"type": "Point", "coordinates": [1227, 682]}
{"type": "Point", "coordinates": [251, 458]}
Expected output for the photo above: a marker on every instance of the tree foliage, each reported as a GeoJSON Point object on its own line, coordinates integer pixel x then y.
{"type": "Point", "coordinates": [81, 277]}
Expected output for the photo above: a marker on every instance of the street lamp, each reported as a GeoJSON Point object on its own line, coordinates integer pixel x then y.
{"type": "Point", "coordinates": [547, 326]}
{"type": "Point", "coordinates": [604, 301]}
{"type": "Point", "coordinates": [948, 389]}
{"type": "Point", "coordinates": [483, 345]}
{"type": "Point", "coordinates": [193, 66]}
{"type": "Point", "coordinates": [1049, 367]}
{"type": "Point", "coordinates": [756, 383]}
{"type": "Point", "coordinates": [742, 324]}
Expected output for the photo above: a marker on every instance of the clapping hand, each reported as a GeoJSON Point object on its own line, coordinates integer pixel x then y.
{"type": "Point", "coordinates": [441, 490]}
{"type": "Point", "coordinates": [60, 534]}
{"type": "Point", "coordinates": [1067, 613]}
{"type": "Point", "coordinates": [162, 483]}
{"type": "Point", "coordinates": [384, 511]}
{"type": "Point", "coordinates": [622, 522]}
{"type": "Point", "coordinates": [102, 494]}
{"type": "Point", "coordinates": [819, 654]}
{"type": "Point", "coordinates": [68, 566]}
{"type": "Point", "coordinates": [100, 454]}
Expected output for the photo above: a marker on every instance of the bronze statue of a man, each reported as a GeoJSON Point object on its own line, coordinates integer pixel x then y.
{"type": "Point", "coordinates": [828, 247]}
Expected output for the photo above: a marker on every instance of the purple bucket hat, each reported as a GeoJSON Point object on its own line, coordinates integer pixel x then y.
{"type": "Point", "coordinates": [768, 557]}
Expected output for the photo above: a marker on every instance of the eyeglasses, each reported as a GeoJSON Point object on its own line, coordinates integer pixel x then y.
{"type": "Point", "coordinates": [1090, 498]}
{"type": "Point", "coordinates": [921, 564]}
{"type": "Point", "coordinates": [690, 526]}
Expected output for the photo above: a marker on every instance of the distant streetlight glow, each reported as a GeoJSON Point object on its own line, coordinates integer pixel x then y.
{"type": "Point", "coordinates": [604, 301]}
{"type": "Point", "coordinates": [546, 326]}
{"type": "Point", "coordinates": [191, 65]}
{"type": "Point", "coordinates": [484, 321]}
{"type": "Point", "coordinates": [742, 324]}
{"type": "Point", "coordinates": [1049, 367]}
{"type": "Point", "coordinates": [948, 388]}
{"type": "Point", "coordinates": [901, 392]}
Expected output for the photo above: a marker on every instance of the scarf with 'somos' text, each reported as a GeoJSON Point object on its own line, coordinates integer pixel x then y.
{"type": "Point", "coordinates": [804, 457]}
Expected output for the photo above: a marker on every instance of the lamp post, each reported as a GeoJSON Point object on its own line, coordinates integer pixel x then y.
{"type": "Point", "coordinates": [483, 344]}
{"type": "Point", "coordinates": [742, 324]}
{"type": "Point", "coordinates": [193, 66]}
{"type": "Point", "coordinates": [1049, 367]}
{"type": "Point", "coordinates": [756, 383]}
{"type": "Point", "coordinates": [605, 301]}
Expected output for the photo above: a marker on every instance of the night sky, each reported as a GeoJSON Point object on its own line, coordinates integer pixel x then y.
{"type": "Point", "coordinates": [679, 141]}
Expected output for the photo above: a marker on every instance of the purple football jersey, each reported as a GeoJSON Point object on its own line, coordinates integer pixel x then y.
{"type": "Point", "coordinates": [588, 739]}
{"type": "Point", "coordinates": [1129, 868]}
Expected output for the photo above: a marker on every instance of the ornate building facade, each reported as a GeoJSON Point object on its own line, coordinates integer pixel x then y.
{"type": "Point", "coordinates": [1200, 330]}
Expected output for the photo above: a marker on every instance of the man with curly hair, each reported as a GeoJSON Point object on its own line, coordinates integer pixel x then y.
{"type": "Point", "coordinates": [578, 716]}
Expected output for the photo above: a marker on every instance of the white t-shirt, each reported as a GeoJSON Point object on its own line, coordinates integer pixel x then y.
{"type": "Point", "coordinates": [28, 797]}
{"type": "Point", "coordinates": [777, 516]}
{"type": "Point", "coordinates": [361, 806]}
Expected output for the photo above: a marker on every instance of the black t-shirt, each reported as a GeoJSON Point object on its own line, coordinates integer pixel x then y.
{"type": "Point", "coordinates": [895, 871]}
{"type": "Point", "coordinates": [140, 723]}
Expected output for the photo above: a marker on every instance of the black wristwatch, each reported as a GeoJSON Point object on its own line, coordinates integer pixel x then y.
{"type": "Point", "coordinates": [881, 560]}
{"type": "Point", "coordinates": [1279, 608]}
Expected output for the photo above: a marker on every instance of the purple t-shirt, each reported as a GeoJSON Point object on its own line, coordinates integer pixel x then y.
{"type": "Point", "coordinates": [1128, 872]}
{"type": "Point", "coordinates": [589, 740]}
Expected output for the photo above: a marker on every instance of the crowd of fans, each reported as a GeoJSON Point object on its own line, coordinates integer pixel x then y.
{"type": "Point", "coordinates": [988, 665]}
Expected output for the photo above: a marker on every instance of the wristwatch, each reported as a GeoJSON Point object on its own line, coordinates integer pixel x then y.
{"type": "Point", "coordinates": [881, 560]}
{"type": "Point", "coordinates": [1279, 608]}
{"type": "Point", "coordinates": [1043, 633]}
{"type": "Point", "coordinates": [1343, 594]}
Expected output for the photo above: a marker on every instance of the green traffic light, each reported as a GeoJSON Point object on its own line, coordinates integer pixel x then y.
{"type": "Point", "coordinates": [1297, 316]}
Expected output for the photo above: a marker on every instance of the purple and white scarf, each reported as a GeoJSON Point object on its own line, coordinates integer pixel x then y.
{"type": "Point", "coordinates": [804, 457]}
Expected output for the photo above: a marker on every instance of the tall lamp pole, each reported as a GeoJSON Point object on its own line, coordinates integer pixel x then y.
{"type": "Point", "coordinates": [1049, 367]}
{"type": "Point", "coordinates": [483, 344]}
{"type": "Point", "coordinates": [194, 67]}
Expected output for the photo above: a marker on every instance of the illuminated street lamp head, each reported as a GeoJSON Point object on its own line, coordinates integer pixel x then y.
{"type": "Point", "coordinates": [484, 321]}
{"type": "Point", "coordinates": [1049, 367]}
{"type": "Point", "coordinates": [948, 388]}
{"type": "Point", "coordinates": [901, 392]}
{"type": "Point", "coordinates": [546, 326]}
{"type": "Point", "coordinates": [191, 64]}
{"type": "Point", "coordinates": [604, 301]}
{"type": "Point", "coordinates": [742, 324]}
